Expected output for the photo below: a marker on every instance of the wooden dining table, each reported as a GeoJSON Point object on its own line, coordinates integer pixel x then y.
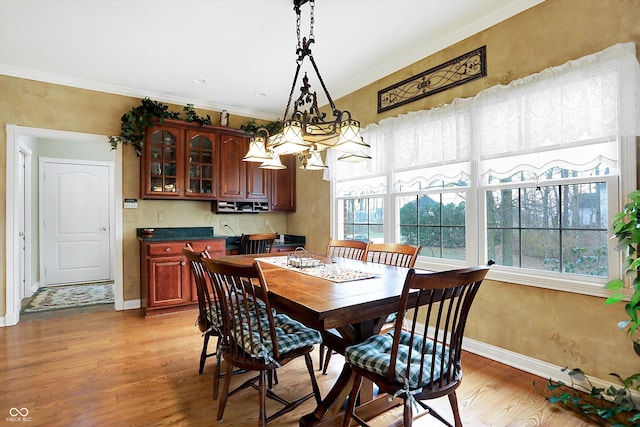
{"type": "Point", "coordinates": [345, 313]}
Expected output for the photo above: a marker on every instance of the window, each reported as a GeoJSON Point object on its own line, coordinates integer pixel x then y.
{"type": "Point", "coordinates": [435, 221]}
{"type": "Point", "coordinates": [362, 219]}
{"type": "Point", "coordinates": [559, 228]}
{"type": "Point", "coordinates": [529, 174]}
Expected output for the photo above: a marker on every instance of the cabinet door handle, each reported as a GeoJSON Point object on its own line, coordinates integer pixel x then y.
{"type": "Point", "coordinates": [208, 247]}
{"type": "Point", "coordinates": [183, 263]}
{"type": "Point", "coordinates": [167, 249]}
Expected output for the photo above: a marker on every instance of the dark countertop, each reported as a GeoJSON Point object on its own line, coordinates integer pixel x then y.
{"type": "Point", "coordinates": [170, 234]}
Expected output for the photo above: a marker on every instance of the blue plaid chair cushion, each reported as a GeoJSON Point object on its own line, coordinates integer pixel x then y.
{"type": "Point", "coordinates": [374, 355]}
{"type": "Point", "coordinates": [290, 333]}
{"type": "Point", "coordinates": [214, 320]}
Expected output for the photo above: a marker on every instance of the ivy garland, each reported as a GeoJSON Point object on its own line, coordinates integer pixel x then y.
{"type": "Point", "coordinates": [251, 126]}
{"type": "Point", "coordinates": [134, 123]}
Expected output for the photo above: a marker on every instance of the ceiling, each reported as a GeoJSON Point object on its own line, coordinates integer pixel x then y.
{"type": "Point", "coordinates": [237, 55]}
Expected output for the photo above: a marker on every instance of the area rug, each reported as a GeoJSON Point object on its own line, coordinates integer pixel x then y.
{"type": "Point", "coordinates": [67, 296]}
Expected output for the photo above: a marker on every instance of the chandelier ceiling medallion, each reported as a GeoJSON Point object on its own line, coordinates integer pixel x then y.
{"type": "Point", "coordinates": [308, 131]}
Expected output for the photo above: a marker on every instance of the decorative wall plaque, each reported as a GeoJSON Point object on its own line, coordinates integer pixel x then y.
{"type": "Point", "coordinates": [463, 69]}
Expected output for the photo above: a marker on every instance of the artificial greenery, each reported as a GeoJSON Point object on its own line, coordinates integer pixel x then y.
{"type": "Point", "coordinates": [251, 126]}
{"type": "Point", "coordinates": [614, 405]}
{"type": "Point", "coordinates": [134, 123]}
{"type": "Point", "coordinates": [191, 116]}
{"type": "Point", "coordinates": [626, 229]}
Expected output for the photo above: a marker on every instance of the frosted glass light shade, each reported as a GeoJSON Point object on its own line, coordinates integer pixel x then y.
{"type": "Point", "coordinates": [257, 150]}
{"type": "Point", "coordinates": [273, 163]}
{"type": "Point", "coordinates": [314, 162]}
{"type": "Point", "coordinates": [350, 140]}
{"type": "Point", "coordinates": [291, 141]}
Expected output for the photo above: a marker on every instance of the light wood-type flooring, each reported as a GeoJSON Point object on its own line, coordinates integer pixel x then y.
{"type": "Point", "coordinates": [120, 369]}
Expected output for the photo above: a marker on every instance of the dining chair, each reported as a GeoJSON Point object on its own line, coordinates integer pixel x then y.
{"type": "Point", "coordinates": [257, 340]}
{"type": "Point", "coordinates": [398, 254]}
{"type": "Point", "coordinates": [350, 249]}
{"type": "Point", "coordinates": [257, 243]}
{"type": "Point", "coordinates": [423, 361]}
{"type": "Point", "coordinates": [209, 317]}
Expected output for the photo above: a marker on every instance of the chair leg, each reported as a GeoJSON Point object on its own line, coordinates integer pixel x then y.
{"type": "Point", "coordinates": [314, 382]}
{"type": "Point", "coordinates": [321, 351]}
{"type": "Point", "coordinates": [270, 378]}
{"type": "Point", "coordinates": [453, 400]}
{"type": "Point", "coordinates": [225, 391]}
{"type": "Point", "coordinates": [351, 404]}
{"type": "Point", "coordinates": [216, 374]}
{"type": "Point", "coordinates": [326, 361]}
{"type": "Point", "coordinates": [407, 414]}
{"type": "Point", "coordinates": [262, 388]}
{"type": "Point", "coordinates": [203, 355]}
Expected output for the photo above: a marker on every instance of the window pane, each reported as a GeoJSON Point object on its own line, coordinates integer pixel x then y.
{"type": "Point", "coordinates": [453, 209]}
{"type": "Point", "coordinates": [362, 219]}
{"type": "Point", "coordinates": [453, 243]}
{"type": "Point", "coordinates": [504, 246]}
{"type": "Point", "coordinates": [540, 207]}
{"type": "Point", "coordinates": [429, 210]}
{"type": "Point", "coordinates": [409, 234]}
{"type": "Point", "coordinates": [348, 211]}
{"type": "Point", "coordinates": [585, 252]}
{"type": "Point", "coordinates": [584, 206]}
{"type": "Point", "coordinates": [540, 249]}
{"type": "Point", "coordinates": [435, 221]}
{"type": "Point", "coordinates": [431, 241]}
{"type": "Point", "coordinates": [503, 208]}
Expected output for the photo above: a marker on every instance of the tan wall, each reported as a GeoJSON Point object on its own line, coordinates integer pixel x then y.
{"type": "Point", "coordinates": [41, 105]}
{"type": "Point", "coordinates": [557, 327]}
{"type": "Point", "coordinates": [560, 328]}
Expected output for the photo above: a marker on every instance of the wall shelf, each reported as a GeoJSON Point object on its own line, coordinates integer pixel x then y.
{"type": "Point", "coordinates": [234, 206]}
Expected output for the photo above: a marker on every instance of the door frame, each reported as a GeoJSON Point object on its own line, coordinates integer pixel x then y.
{"type": "Point", "coordinates": [42, 164]}
{"type": "Point", "coordinates": [12, 273]}
{"type": "Point", "coordinates": [26, 211]}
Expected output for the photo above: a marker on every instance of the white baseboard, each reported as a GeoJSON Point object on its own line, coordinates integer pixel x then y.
{"type": "Point", "coordinates": [519, 361]}
{"type": "Point", "coordinates": [526, 363]}
{"type": "Point", "coordinates": [130, 304]}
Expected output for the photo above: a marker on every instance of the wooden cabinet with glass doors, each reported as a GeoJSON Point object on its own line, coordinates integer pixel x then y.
{"type": "Point", "coordinates": [161, 169]}
{"type": "Point", "coordinates": [180, 161]}
{"type": "Point", "coordinates": [201, 161]}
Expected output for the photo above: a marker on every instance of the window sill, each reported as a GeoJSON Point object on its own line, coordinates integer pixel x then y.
{"type": "Point", "coordinates": [584, 285]}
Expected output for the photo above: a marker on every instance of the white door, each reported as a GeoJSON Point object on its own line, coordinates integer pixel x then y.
{"type": "Point", "coordinates": [75, 222]}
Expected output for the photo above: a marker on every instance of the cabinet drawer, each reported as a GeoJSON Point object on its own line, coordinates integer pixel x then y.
{"type": "Point", "coordinates": [167, 248]}
{"type": "Point", "coordinates": [211, 246]}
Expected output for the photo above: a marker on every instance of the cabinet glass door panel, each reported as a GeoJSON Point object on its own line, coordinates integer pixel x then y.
{"type": "Point", "coordinates": [162, 161]}
{"type": "Point", "coordinates": [200, 165]}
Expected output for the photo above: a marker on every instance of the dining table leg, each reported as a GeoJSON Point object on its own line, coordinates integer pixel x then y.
{"type": "Point", "coordinates": [332, 404]}
{"type": "Point", "coordinates": [329, 411]}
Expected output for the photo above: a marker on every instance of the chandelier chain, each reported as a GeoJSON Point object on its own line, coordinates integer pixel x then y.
{"type": "Point", "coordinates": [308, 131]}
{"type": "Point", "coordinates": [312, 3]}
{"type": "Point", "coordinates": [298, 27]}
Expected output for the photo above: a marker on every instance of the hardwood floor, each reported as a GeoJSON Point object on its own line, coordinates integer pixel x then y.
{"type": "Point", "coordinates": [120, 369]}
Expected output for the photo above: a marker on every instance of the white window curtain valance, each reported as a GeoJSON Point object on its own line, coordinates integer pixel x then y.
{"type": "Point", "coordinates": [591, 98]}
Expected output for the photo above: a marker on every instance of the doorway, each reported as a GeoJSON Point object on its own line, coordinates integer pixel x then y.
{"type": "Point", "coordinates": [71, 145]}
{"type": "Point", "coordinates": [74, 221]}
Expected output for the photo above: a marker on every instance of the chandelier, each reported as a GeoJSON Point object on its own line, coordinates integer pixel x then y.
{"type": "Point", "coordinates": [308, 131]}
